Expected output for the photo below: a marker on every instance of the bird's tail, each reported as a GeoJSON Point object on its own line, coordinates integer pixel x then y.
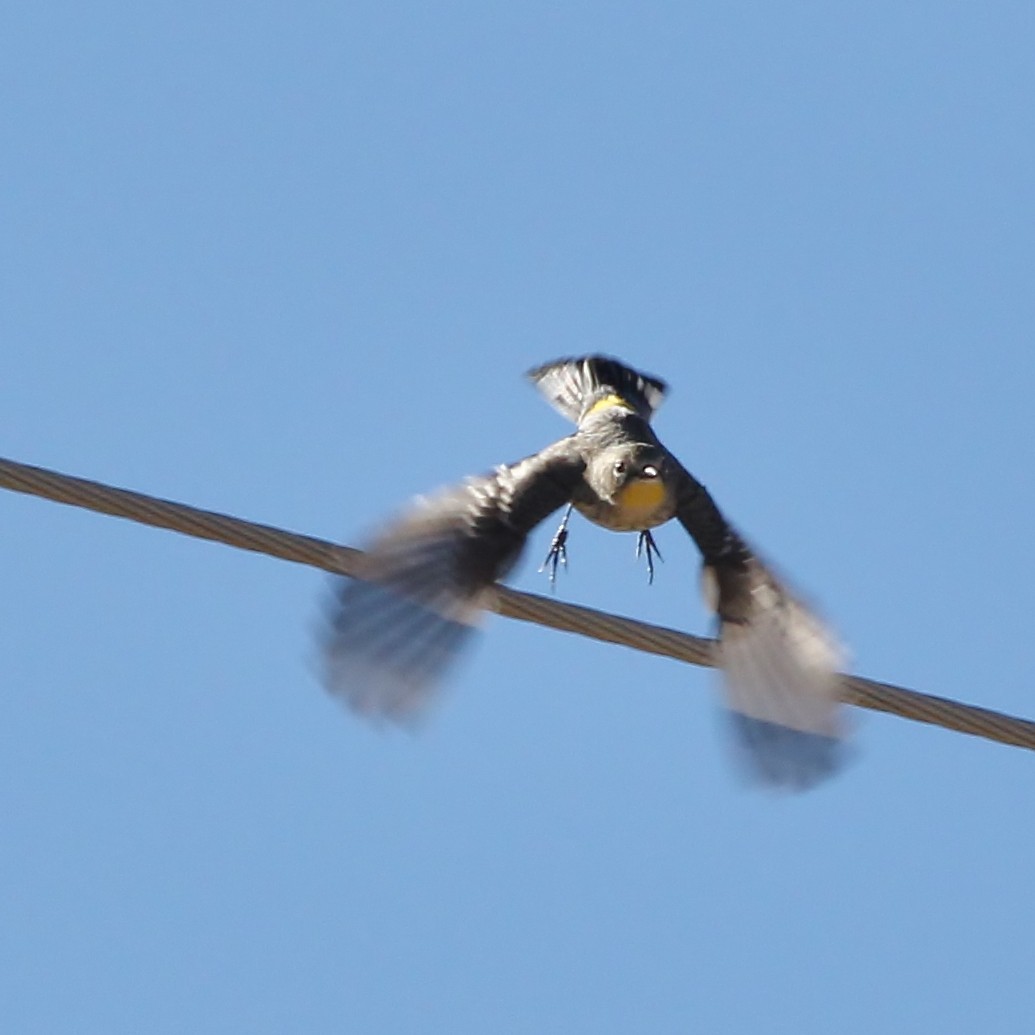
{"type": "Point", "coordinates": [577, 386]}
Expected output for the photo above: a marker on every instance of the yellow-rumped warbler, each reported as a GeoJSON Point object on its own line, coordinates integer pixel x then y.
{"type": "Point", "coordinates": [426, 579]}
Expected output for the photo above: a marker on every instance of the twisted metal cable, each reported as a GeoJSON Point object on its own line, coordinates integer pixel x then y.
{"type": "Point", "coordinates": [528, 607]}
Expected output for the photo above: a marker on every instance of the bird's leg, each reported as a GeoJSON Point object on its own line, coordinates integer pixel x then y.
{"type": "Point", "coordinates": [645, 545]}
{"type": "Point", "coordinates": [558, 549]}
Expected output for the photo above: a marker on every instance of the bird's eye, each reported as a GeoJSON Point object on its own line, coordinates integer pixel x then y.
{"type": "Point", "coordinates": [619, 467]}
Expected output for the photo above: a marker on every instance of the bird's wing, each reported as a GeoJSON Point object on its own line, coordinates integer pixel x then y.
{"type": "Point", "coordinates": [779, 661]}
{"type": "Point", "coordinates": [390, 636]}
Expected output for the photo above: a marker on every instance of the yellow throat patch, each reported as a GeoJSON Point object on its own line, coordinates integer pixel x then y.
{"type": "Point", "coordinates": [641, 498]}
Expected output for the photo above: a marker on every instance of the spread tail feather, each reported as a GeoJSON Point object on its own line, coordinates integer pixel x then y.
{"type": "Point", "coordinates": [574, 386]}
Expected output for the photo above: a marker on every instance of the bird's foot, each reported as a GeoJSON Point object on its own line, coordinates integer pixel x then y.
{"type": "Point", "coordinates": [558, 554]}
{"type": "Point", "coordinates": [646, 545]}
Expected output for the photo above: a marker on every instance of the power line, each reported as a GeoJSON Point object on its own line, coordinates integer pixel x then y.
{"type": "Point", "coordinates": [528, 607]}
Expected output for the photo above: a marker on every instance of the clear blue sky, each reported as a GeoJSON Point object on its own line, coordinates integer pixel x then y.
{"type": "Point", "coordinates": [290, 261]}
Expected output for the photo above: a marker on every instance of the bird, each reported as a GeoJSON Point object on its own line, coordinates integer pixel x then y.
{"type": "Point", "coordinates": [391, 634]}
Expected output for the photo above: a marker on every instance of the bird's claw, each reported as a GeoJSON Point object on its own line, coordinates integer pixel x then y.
{"type": "Point", "coordinates": [558, 553]}
{"type": "Point", "coordinates": [646, 546]}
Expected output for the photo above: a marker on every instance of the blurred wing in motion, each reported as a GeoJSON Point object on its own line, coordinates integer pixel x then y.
{"type": "Point", "coordinates": [779, 666]}
{"type": "Point", "coordinates": [779, 662]}
{"type": "Point", "coordinates": [390, 636]}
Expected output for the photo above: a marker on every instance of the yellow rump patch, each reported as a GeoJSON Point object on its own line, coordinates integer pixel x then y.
{"type": "Point", "coordinates": [608, 402]}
